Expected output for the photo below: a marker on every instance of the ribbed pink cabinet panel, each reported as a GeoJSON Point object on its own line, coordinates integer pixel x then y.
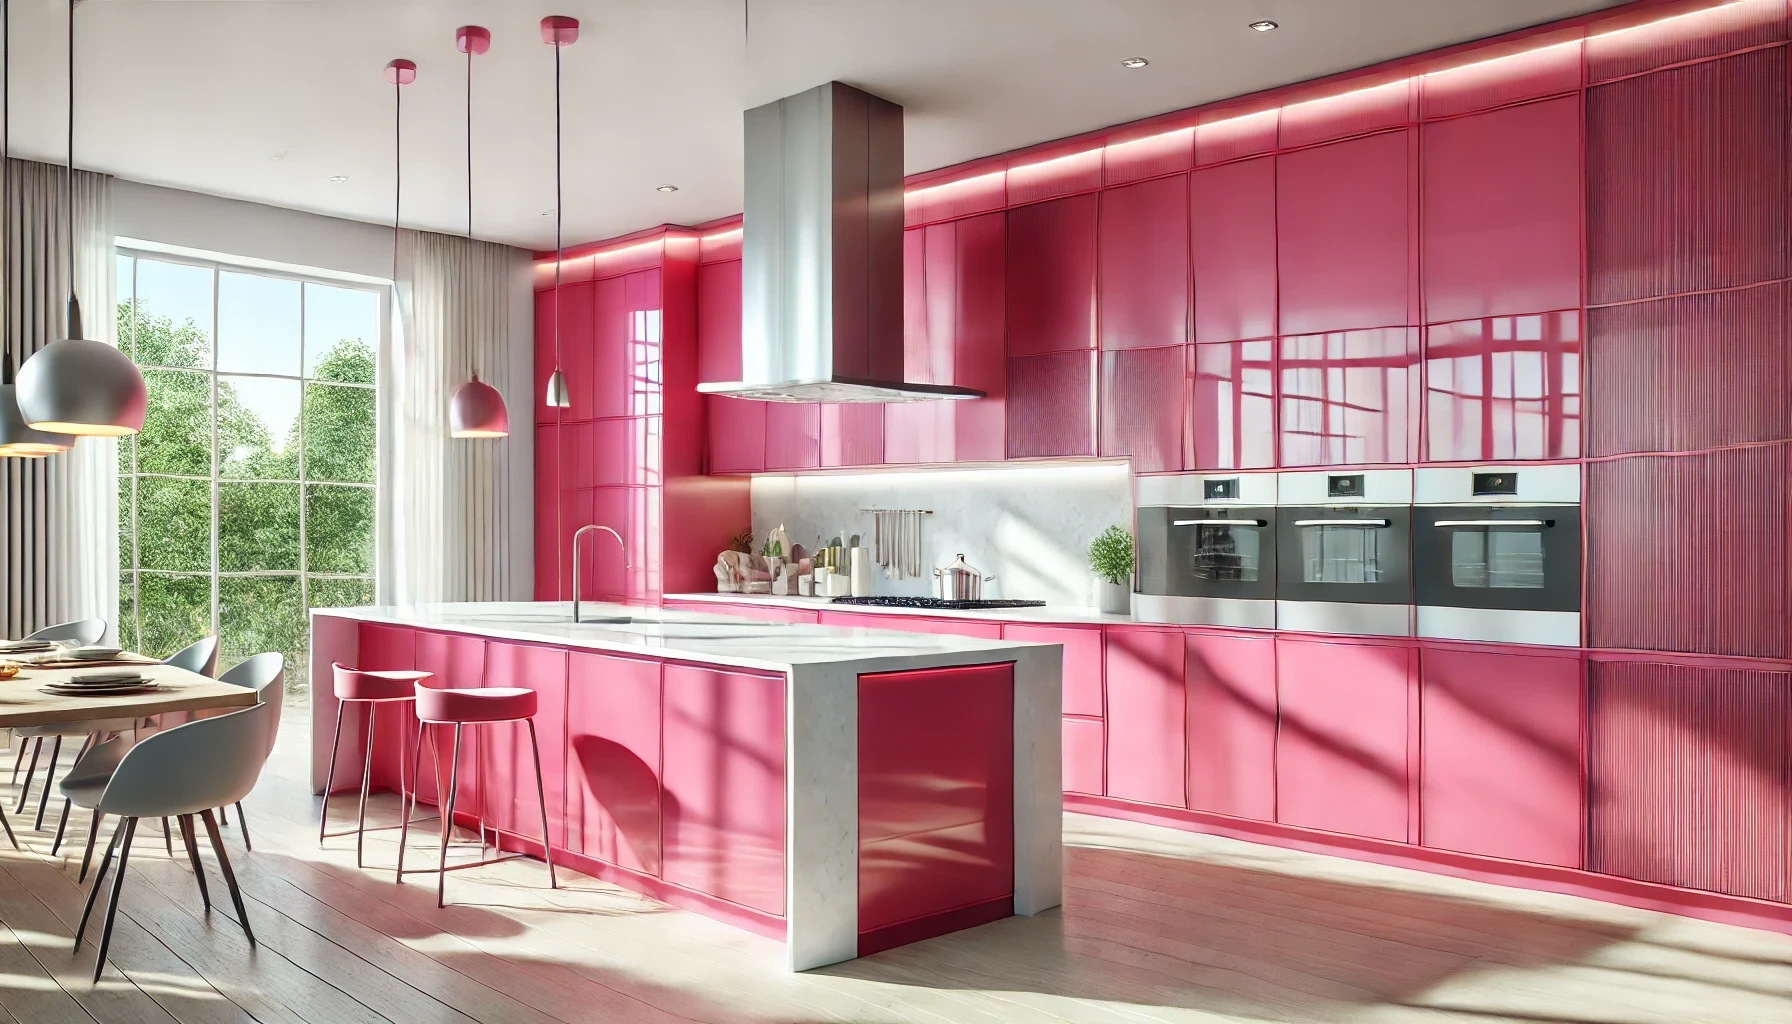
{"type": "Point", "coordinates": [1482, 84]}
{"type": "Point", "coordinates": [1671, 40]}
{"type": "Point", "coordinates": [1351, 112]}
{"type": "Point", "coordinates": [1232, 227]}
{"type": "Point", "coordinates": [1141, 407]}
{"type": "Point", "coordinates": [792, 435]}
{"type": "Point", "coordinates": [1690, 372]}
{"type": "Point", "coordinates": [1501, 212]}
{"type": "Point", "coordinates": [852, 434]}
{"type": "Point", "coordinates": [1341, 742]}
{"type": "Point", "coordinates": [1051, 405]}
{"type": "Point", "coordinates": [1232, 725]}
{"type": "Point", "coordinates": [1688, 553]}
{"type": "Point", "coordinates": [1500, 774]}
{"type": "Point", "coordinates": [1343, 224]}
{"type": "Point", "coordinates": [1051, 276]}
{"type": "Point", "coordinates": [1073, 166]}
{"type": "Point", "coordinates": [1157, 152]}
{"type": "Point", "coordinates": [1690, 772]}
{"type": "Point", "coordinates": [1688, 179]}
{"type": "Point", "coordinates": [1143, 264]}
{"type": "Point", "coordinates": [1504, 387]}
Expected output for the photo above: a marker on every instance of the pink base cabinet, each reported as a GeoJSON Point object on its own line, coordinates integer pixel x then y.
{"type": "Point", "coordinates": [713, 788]}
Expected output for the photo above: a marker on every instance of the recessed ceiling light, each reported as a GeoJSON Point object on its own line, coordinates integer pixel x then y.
{"type": "Point", "coordinates": [1264, 26]}
{"type": "Point", "coordinates": [667, 188]}
{"type": "Point", "coordinates": [1134, 63]}
{"type": "Point", "coordinates": [337, 179]}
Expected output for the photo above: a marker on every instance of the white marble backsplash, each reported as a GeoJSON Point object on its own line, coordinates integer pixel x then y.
{"type": "Point", "coordinates": [1028, 526]}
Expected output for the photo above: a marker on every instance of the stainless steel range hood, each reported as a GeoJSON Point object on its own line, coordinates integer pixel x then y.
{"type": "Point", "coordinates": [821, 253]}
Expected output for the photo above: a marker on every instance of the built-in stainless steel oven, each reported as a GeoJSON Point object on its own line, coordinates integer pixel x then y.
{"type": "Point", "coordinates": [1344, 552]}
{"type": "Point", "coordinates": [1207, 550]}
{"type": "Point", "coordinates": [1497, 554]}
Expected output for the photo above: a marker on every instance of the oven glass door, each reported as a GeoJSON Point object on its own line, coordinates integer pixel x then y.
{"type": "Point", "coordinates": [1357, 555]}
{"type": "Point", "coordinates": [1219, 552]}
{"type": "Point", "coordinates": [1522, 558]}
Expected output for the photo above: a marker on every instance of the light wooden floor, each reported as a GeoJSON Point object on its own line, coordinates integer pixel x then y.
{"type": "Point", "coordinates": [1157, 926]}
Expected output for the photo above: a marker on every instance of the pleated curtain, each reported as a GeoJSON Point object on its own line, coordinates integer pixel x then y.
{"type": "Point", "coordinates": [59, 527]}
{"type": "Point", "coordinates": [444, 524]}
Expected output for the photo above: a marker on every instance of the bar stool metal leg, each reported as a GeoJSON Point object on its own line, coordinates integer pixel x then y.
{"type": "Point", "coordinates": [404, 827]}
{"type": "Point", "coordinates": [547, 843]}
{"type": "Point", "coordinates": [448, 819]}
{"type": "Point", "coordinates": [373, 710]}
{"type": "Point", "coordinates": [323, 817]}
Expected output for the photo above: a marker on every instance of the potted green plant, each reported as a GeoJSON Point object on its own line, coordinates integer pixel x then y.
{"type": "Point", "coordinates": [1111, 557]}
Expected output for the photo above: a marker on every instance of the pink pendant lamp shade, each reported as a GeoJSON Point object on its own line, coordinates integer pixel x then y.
{"type": "Point", "coordinates": [477, 409]}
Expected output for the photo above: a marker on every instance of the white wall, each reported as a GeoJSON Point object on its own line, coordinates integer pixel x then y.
{"type": "Point", "coordinates": [1029, 526]}
{"type": "Point", "coordinates": [295, 240]}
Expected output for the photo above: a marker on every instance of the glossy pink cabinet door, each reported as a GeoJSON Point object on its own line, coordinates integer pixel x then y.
{"type": "Point", "coordinates": [1082, 663]}
{"type": "Point", "coordinates": [1232, 725]}
{"type": "Point", "coordinates": [1085, 746]}
{"type": "Point", "coordinates": [936, 794]}
{"type": "Point", "coordinates": [1501, 770]}
{"type": "Point", "coordinates": [718, 321]}
{"type": "Point", "coordinates": [1143, 299]}
{"type": "Point", "coordinates": [547, 509]}
{"type": "Point", "coordinates": [1501, 217]}
{"type": "Point", "coordinates": [509, 762]}
{"type": "Point", "coordinates": [852, 434]}
{"type": "Point", "coordinates": [1231, 405]}
{"type": "Point", "coordinates": [1350, 398]}
{"type": "Point", "coordinates": [1147, 723]}
{"type": "Point", "coordinates": [458, 662]}
{"type": "Point", "coordinates": [1343, 216]}
{"type": "Point", "coordinates": [736, 434]}
{"type": "Point", "coordinates": [1232, 232]}
{"type": "Point", "coordinates": [613, 760]}
{"type": "Point", "coordinates": [381, 648]}
{"type": "Point", "coordinates": [580, 339]}
{"type": "Point", "coordinates": [545, 308]}
{"type": "Point", "coordinates": [1341, 744]}
{"type": "Point", "coordinates": [792, 435]}
{"type": "Point", "coordinates": [723, 784]}
{"type": "Point", "coordinates": [1505, 387]}
{"type": "Point", "coordinates": [980, 355]}
{"type": "Point", "coordinates": [1051, 276]}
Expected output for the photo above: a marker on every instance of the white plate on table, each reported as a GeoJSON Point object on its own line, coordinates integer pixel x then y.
{"type": "Point", "coordinates": [116, 690]}
{"type": "Point", "coordinates": [95, 653]}
{"type": "Point", "coordinates": [113, 678]}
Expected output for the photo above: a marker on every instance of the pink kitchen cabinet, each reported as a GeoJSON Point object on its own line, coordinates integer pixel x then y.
{"type": "Point", "coordinates": [1232, 724]}
{"type": "Point", "coordinates": [509, 763]}
{"type": "Point", "coordinates": [581, 337]}
{"type": "Point", "coordinates": [1500, 772]}
{"type": "Point", "coordinates": [1143, 293]}
{"type": "Point", "coordinates": [1501, 219]}
{"type": "Point", "coordinates": [1350, 397]}
{"type": "Point", "coordinates": [1085, 749]}
{"type": "Point", "coordinates": [1509, 387]}
{"type": "Point", "coordinates": [381, 648]}
{"type": "Point", "coordinates": [545, 310]}
{"type": "Point", "coordinates": [792, 435]}
{"type": "Point", "coordinates": [1051, 405]}
{"type": "Point", "coordinates": [852, 434]}
{"type": "Point", "coordinates": [1343, 224]}
{"type": "Point", "coordinates": [1050, 273]}
{"type": "Point", "coordinates": [1231, 405]}
{"type": "Point", "coordinates": [458, 662]}
{"type": "Point", "coordinates": [613, 760]}
{"type": "Point", "coordinates": [1232, 239]}
{"type": "Point", "coordinates": [979, 356]}
{"type": "Point", "coordinates": [736, 434]}
{"type": "Point", "coordinates": [722, 743]}
{"type": "Point", "coordinates": [548, 561]}
{"type": "Point", "coordinates": [1342, 750]}
{"type": "Point", "coordinates": [718, 322]}
{"type": "Point", "coordinates": [914, 624]}
{"type": "Point", "coordinates": [1146, 716]}
{"type": "Point", "coordinates": [1142, 392]}
{"type": "Point", "coordinates": [1082, 671]}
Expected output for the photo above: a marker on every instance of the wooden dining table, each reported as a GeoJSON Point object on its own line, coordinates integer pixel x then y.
{"type": "Point", "coordinates": [23, 701]}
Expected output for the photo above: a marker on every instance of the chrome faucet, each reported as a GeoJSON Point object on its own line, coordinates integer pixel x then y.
{"type": "Point", "coordinates": [580, 532]}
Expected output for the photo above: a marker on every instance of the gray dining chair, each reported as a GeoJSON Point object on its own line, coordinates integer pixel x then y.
{"type": "Point", "coordinates": [181, 773]}
{"type": "Point", "coordinates": [79, 632]}
{"type": "Point", "coordinates": [263, 673]}
{"type": "Point", "coordinates": [200, 656]}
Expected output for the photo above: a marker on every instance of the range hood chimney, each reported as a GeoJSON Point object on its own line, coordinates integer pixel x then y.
{"type": "Point", "coordinates": [821, 253]}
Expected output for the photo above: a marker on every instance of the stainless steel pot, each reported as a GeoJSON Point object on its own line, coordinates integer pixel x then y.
{"type": "Point", "coordinates": [960, 582]}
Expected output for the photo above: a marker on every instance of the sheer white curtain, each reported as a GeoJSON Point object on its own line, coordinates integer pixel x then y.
{"type": "Point", "coordinates": [445, 530]}
{"type": "Point", "coordinates": [59, 527]}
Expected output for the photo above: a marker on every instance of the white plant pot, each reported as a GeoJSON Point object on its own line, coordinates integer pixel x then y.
{"type": "Point", "coordinates": [1113, 598]}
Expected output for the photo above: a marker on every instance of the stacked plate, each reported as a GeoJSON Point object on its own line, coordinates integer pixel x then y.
{"type": "Point", "coordinates": [26, 646]}
{"type": "Point", "coordinates": [95, 653]}
{"type": "Point", "coordinates": [101, 684]}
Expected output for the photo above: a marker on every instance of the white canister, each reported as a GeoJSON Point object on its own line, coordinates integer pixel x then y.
{"type": "Point", "coordinates": [862, 581]}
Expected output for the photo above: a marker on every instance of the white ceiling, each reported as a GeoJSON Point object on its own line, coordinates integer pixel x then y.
{"type": "Point", "coordinates": [266, 99]}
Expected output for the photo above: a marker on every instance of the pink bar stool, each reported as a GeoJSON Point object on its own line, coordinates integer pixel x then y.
{"type": "Point", "coordinates": [496, 705]}
{"type": "Point", "coordinates": [355, 686]}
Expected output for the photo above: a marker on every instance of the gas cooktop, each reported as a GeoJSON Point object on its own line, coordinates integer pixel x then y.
{"type": "Point", "coordinates": [936, 602]}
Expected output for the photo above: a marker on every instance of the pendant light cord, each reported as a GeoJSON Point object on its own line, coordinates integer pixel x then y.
{"type": "Point", "coordinates": [475, 362]}
{"type": "Point", "coordinates": [9, 365]}
{"type": "Point", "coordinates": [70, 174]}
{"type": "Point", "coordinates": [558, 247]}
{"type": "Point", "coordinates": [397, 169]}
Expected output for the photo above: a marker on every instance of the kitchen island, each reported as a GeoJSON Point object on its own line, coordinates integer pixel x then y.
{"type": "Point", "coordinates": [845, 790]}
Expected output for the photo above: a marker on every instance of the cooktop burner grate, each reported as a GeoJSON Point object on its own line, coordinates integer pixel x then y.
{"type": "Point", "coordinates": [936, 602]}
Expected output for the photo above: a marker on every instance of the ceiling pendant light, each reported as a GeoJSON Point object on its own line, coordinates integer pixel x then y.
{"type": "Point", "coordinates": [17, 439]}
{"type": "Point", "coordinates": [558, 30]}
{"type": "Point", "coordinates": [477, 409]}
{"type": "Point", "coordinates": [77, 386]}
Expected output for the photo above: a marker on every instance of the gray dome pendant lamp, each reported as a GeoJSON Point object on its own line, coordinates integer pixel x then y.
{"type": "Point", "coordinates": [77, 386]}
{"type": "Point", "coordinates": [558, 31]}
{"type": "Point", "coordinates": [17, 439]}
{"type": "Point", "coordinates": [477, 409]}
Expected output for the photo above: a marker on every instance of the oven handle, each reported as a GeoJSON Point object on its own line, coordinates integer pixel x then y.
{"type": "Point", "coordinates": [1494, 522]}
{"type": "Point", "coordinates": [1220, 522]}
{"type": "Point", "coordinates": [1341, 522]}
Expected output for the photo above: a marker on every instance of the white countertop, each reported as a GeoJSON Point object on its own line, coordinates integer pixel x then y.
{"type": "Point", "coordinates": [692, 636]}
{"type": "Point", "coordinates": [1068, 614]}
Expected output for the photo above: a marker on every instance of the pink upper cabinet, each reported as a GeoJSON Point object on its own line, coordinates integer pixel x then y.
{"type": "Point", "coordinates": [1504, 387]}
{"type": "Point", "coordinates": [1141, 407]}
{"type": "Point", "coordinates": [792, 435]}
{"type": "Point", "coordinates": [736, 434]}
{"type": "Point", "coordinates": [1231, 405]}
{"type": "Point", "coordinates": [576, 311]}
{"type": "Point", "coordinates": [979, 357]}
{"type": "Point", "coordinates": [718, 322]}
{"type": "Point", "coordinates": [852, 434]}
{"type": "Point", "coordinates": [1350, 397]}
{"type": "Point", "coordinates": [1144, 280]}
{"type": "Point", "coordinates": [1343, 223]}
{"type": "Point", "coordinates": [1051, 276]}
{"type": "Point", "coordinates": [1051, 405]}
{"type": "Point", "coordinates": [544, 355]}
{"type": "Point", "coordinates": [1232, 226]}
{"type": "Point", "coordinates": [1342, 738]}
{"type": "Point", "coordinates": [1501, 211]}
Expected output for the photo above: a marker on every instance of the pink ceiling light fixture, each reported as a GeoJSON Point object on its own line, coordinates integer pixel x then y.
{"type": "Point", "coordinates": [558, 31]}
{"type": "Point", "coordinates": [477, 409]}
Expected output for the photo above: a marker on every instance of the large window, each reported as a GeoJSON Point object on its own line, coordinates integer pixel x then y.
{"type": "Point", "coordinates": [249, 496]}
